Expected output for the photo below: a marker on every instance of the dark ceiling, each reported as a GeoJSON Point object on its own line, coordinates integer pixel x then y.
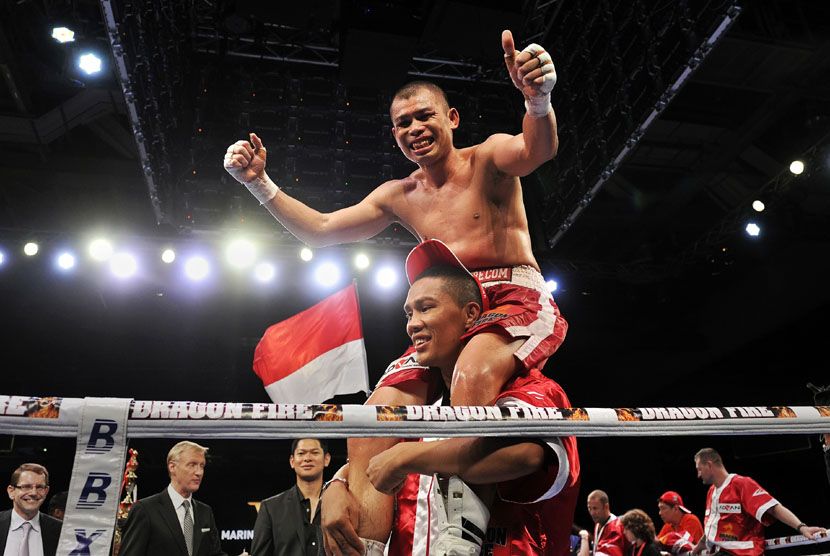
{"type": "Point", "coordinates": [674, 116]}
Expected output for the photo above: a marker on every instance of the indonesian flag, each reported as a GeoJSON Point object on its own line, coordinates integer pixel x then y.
{"type": "Point", "coordinates": [315, 355]}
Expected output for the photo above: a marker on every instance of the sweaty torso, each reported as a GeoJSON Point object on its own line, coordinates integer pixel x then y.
{"type": "Point", "coordinates": [477, 211]}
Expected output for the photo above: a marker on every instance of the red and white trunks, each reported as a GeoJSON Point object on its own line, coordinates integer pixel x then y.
{"type": "Point", "coordinates": [520, 306]}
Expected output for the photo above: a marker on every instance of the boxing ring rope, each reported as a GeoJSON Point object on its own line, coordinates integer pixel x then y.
{"type": "Point", "coordinates": [167, 419]}
{"type": "Point", "coordinates": [102, 427]}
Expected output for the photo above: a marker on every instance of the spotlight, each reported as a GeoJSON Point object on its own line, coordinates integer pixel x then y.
{"type": "Point", "coordinates": [63, 34]}
{"type": "Point", "coordinates": [552, 285]}
{"type": "Point", "coordinates": [264, 272]}
{"type": "Point", "coordinates": [31, 249]}
{"type": "Point", "coordinates": [66, 261]}
{"type": "Point", "coordinates": [100, 249]}
{"type": "Point", "coordinates": [386, 277]}
{"type": "Point", "coordinates": [196, 268]}
{"type": "Point", "coordinates": [327, 274]}
{"type": "Point", "coordinates": [361, 261]}
{"type": "Point", "coordinates": [90, 63]}
{"type": "Point", "coordinates": [2, 258]}
{"type": "Point", "coordinates": [758, 206]}
{"type": "Point", "coordinates": [123, 265]}
{"type": "Point", "coordinates": [168, 256]}
{"type": "Point", "coordinates": [306, 254]}
{"type": "Point", "coordinates": [753, 229]}
{"type": "Point", "coordinates": [796, 167]}
{"type": "Point", "coordinates": [240, 253]}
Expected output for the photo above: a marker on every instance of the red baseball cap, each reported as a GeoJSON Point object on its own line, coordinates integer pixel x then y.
{"type": "Point", "coordinates": [434, 252]}
{"type": "Point", "coordinates": [674, 499]}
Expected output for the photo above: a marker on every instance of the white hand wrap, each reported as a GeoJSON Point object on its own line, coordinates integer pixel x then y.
{"type": "Point", "coordinates": [539, 106]}
{"type": "Point", "coordinates": [262, 188]}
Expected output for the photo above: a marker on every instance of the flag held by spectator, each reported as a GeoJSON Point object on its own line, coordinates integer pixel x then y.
{"type": "Point", "coordinates": [315, 355]}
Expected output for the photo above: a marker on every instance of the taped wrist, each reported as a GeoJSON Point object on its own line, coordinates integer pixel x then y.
{"type": "Point", "coordinates": [262, 188]}
{"type": "Point", "coordinates": [538, 107]}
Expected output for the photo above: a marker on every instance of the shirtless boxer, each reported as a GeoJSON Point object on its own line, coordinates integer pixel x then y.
{"type": "Point", "coordinates": [471, 199]}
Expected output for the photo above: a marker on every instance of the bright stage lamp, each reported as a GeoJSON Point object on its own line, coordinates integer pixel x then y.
{"type": "Point", "coordinates": [168, 256]}
{"type": "Point", "coordinates": [66, 261]}
{"type": "Point", "coordinates": [63, 34]}
{"type": "Point", "coordinates": [90, 63]}
{"type": "Point", "coordinates": [123, 265]}
{"type": "Point", "coordinates": [327, 274]}
{"type": "Point", "coordinates": [197, 268]}
{"type": "Point", "coordinates": [386, 277]}
{"type": "Point", "coordinates": [306, 254]}
{"type": "Point", "coordinates": [240, 253]}
{"type": "Point", "coordinates": [552, 285]}
{"type": "Point", "coordinates": [100, 249]}
{"type": "Point", "coordinates": [361, 261]}
{"type": "Point", "coordinates": [31, 249]}
{"type": "Point", "coordinates": [796, 167]}
{"type": "Point", "coordinates": [265, 272]}
{"type": "Point", "coordinates": [753, 229]}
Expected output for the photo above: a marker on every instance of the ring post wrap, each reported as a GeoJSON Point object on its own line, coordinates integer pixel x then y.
{"type": "Point", "coordinates": [100, 456]}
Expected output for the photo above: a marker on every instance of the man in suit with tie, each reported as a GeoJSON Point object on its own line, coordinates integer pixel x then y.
{"type": "Point", "coordinates": [288, 524]}
{"type": "Point", "coordinates": [172, 522]}
{"type": "Point", "coordinates": [24, 530]}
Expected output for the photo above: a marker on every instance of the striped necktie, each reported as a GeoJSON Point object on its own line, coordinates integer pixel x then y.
{"type": "Point", "coordinates": [187, 527]}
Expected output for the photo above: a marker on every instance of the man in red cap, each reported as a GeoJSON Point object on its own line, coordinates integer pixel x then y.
{"type": "Point", "coordinates": [681, 529]}
{"type": "Point", "coordinates": [526, 488]}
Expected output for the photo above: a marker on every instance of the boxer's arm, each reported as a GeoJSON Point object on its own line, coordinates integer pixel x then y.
{"type": "Point", "coordinates": [245, 161]}
{"type": "Point", "coordinates": [533, 73]}
{"type": "Point", "coordinates": [377, 509]}
{"type": "Point", "coordinates": [475, 460]}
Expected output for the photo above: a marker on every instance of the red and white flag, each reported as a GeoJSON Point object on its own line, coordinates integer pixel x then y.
{"type": "Point", "coordinates": [315, 355]}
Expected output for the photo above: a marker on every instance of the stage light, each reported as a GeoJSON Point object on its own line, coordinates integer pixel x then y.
{"type": "Point", "coordinates": [90, 63]}
{"type": "Point", "coordinates": [196, 268]}
{"type": "Point", "coordinates": [758, 206]}
{"type": "Point", "coordinates": [552, 285]}
{"type": "Point", "coordinates": [66, 261]}
{"type": "Point", "coordinates": [386, 277]}
{"type": "Point", "coordinates": [31, 249]}
{"type": "Point", "coordinates": [361, 261]}
{"type": "Point", "coordinates": [63, 34]}
{"type": "Point", "coordinates": [306, 254]}
{"type": "Point", "coordinates": [796, 167]}
{"type": "Point", "coordinates": [264, 272]}
{"type": "Point", "coordinates": [2, 258]}
{"type": "Point", "coordinates": [168, 256]}
{"type": "Point", "coordinates": [123, 265]}
{"type": "Point", "coordinates": [100, 249]}
{"type": "Point", "coordinates": [753, 229]}
{"type": "Point", "coordinates": [327, 274]}
{"type": "Point", "coordinates": [240, 253]}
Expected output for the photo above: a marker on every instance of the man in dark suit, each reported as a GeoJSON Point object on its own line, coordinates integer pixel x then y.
{"type": "Point", "coordinates": [172, 522]}
{"type": "Point", "coordinates": [288, 524]}
{"type": "Point", "coordinates": [24, 524]}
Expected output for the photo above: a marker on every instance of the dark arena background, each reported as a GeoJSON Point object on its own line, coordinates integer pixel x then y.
{"type": "Point", "coordinates": [674, 117]}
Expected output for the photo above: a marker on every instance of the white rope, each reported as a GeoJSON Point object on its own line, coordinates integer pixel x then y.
{"type": "Point", "coordinates": [795, 540]}
{"type": "Point", "coordinates": [164, 419]}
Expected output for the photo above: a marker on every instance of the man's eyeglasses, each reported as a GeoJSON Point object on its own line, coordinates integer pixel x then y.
{"type": "Point", "coordinates": [24, 488]}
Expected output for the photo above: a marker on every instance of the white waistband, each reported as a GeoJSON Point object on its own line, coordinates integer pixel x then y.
{"type": "Point", "coordinates": [520, 275]}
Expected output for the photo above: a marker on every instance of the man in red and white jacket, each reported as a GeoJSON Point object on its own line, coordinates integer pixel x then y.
{"type": "Point", "coordinates": [608, 531]}
{"type": "Point", "coordinates": [738, 509]}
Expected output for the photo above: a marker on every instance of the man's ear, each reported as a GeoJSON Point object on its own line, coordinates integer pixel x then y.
{"type": "Point", "coordinates": [472, 311]}
{"type": "Point", "coordinates": [327, 460]}
{"type": "Point", "coordinates": [454, 117]}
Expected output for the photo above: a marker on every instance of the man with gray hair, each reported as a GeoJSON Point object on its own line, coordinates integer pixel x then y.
{"type": "Point", "coordinates": [172, 522]}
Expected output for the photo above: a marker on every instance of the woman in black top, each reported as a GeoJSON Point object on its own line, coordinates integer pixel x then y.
{"type": "Point", "coordinates": [639, 530]}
